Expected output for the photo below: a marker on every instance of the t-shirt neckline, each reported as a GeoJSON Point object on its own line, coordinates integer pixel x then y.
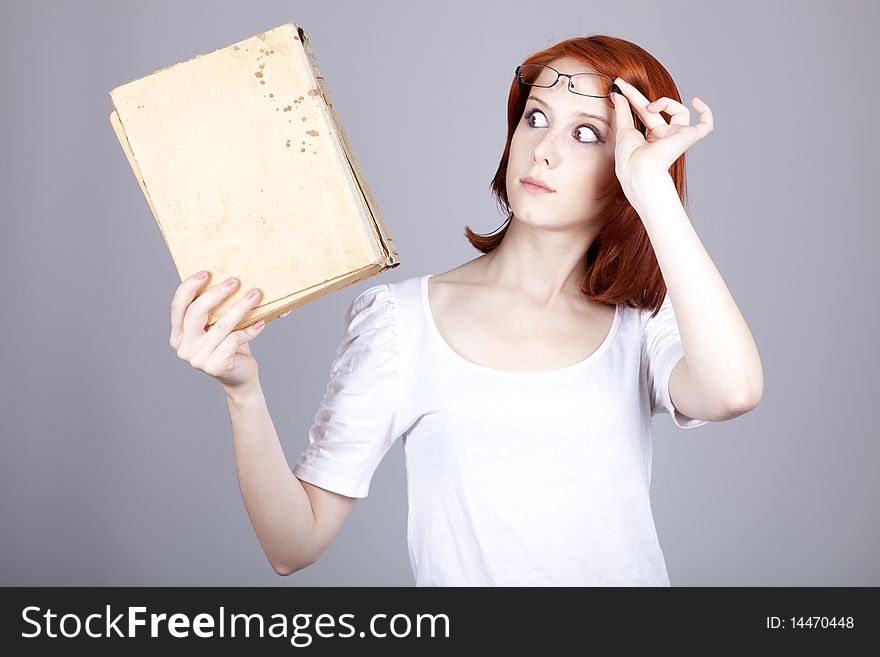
{"type": "Point", "coordinates": [444, 346]}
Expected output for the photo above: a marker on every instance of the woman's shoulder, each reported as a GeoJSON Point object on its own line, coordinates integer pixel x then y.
{"type": "Point", "coordinates": [405, 301]}
{"type": "Point", "coordinates": [399, 292]}
{"type": "Point", "coordinates": [406, 289]}
{"type": "Point", "coordinates": [388, 301]}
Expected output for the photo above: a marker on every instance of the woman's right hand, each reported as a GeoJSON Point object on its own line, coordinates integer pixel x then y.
{"type": "Point", "coordinates": [223, 355]}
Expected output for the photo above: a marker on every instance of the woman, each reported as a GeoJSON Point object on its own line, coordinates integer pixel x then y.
{"type": "Point", "coordinates": [524, 381]}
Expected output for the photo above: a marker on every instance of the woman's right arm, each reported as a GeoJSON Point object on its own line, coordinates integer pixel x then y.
{"type": "Point", "coordinates": [294, 520]}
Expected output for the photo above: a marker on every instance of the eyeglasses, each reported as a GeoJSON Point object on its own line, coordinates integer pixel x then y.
{"type": "Point", "coordinates": [582, 84]}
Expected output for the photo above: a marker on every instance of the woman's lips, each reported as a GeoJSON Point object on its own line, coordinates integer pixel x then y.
{"type": "Point", "coordinates": [536, 189]}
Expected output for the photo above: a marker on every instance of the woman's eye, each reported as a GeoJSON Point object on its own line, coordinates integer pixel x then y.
{"type": "Point", "coordinates": [586, 134]}
{"type": "Point", "coordinates": [533, 113]}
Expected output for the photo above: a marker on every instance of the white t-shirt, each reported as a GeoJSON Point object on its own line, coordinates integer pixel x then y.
{"type": "Point", "coordinates": [513, 478]}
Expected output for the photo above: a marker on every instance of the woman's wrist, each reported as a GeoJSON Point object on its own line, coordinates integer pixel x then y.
{"type": "Point", "coordinates": [243, 391]}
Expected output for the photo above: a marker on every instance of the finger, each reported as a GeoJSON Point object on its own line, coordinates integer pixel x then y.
{"type": "Point", "coordinates": [232, 343]}
{"type": "Point", "coordinates": [707, 121]}
{"type": "Point", "coordinates": [686, 136]}
{"type": "Point", "coordinates": [623, 118]}
{"type": "Point", "coordinates": [183, 296]}
{"type": "Point", "coordinates": [640, 104]}
{"type": "Point", "coordinates": [197, 314]}
{"type": "Point", "coordinates": [229, 320]}
{"type": "Point", "coordinates": [673, 145]}
{"type": "Point", "coordinates": [680, 114]}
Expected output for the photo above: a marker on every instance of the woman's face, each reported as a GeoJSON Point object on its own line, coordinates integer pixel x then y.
{"type": "Point", "coordinates": [571, 153]}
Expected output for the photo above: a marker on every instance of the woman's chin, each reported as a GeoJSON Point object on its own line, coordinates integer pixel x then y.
{"type": "Point", "coordinates": [549, 220]}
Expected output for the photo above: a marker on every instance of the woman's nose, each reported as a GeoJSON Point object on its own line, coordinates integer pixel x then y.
{"type": "Point", "coordinates": [547, 148]}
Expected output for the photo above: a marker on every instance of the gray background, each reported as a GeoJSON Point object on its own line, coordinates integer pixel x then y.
{"type": "Point", "coordinates": [117, 465]}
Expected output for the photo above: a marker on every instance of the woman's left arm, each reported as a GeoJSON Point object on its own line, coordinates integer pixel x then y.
{"type": "Point", "coordinates": [722, 374]}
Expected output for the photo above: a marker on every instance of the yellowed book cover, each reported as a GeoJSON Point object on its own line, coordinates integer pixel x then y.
{"type": "Point", "coordinates": [247, 169]}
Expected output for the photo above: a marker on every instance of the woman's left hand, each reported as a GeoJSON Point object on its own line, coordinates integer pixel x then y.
{"type": "Point", "coordinates": [637, 157]}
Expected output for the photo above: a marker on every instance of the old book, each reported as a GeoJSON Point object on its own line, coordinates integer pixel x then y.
{"type": "Point", "coordinates": [248, 171]}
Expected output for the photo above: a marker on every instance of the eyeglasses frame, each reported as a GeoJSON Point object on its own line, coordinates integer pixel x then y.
{"type": "Point", "coordinates": [614, 87]}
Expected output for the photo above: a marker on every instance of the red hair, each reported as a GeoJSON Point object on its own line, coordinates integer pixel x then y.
{"type": "Point", "coordinates": [621, 264]}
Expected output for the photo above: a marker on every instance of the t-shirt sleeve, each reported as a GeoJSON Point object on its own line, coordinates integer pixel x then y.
{"type": "Point", "coordinates": [355, 424]}
{"type": "Point", "coordinates": [661, 351]}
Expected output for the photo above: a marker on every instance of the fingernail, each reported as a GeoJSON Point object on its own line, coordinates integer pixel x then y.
{"type": "Point", "coordinates": [229, 282]}
{"type": "Point", "coordinates": [252, 294]}
{"type": "Point", "coordinates": [259, 325]}
{"type": "Point", "coordinates": [202, 275]}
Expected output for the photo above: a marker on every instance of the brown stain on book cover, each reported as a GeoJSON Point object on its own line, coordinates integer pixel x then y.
{"type": "Point", "coordinates": [266, 52]}
{"type": "Point", "coordinates": [312, 92]}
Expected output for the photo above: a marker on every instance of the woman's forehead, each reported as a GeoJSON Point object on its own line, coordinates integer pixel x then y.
{"type": "Point", "coordinates": [570, 65]}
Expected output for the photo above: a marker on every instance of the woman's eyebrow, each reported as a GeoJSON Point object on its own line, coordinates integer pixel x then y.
{"type": "Point", "coordinates": [592, 116]}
